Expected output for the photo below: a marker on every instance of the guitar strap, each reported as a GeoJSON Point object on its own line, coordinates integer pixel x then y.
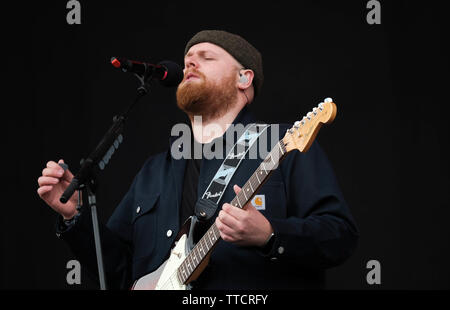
{"type": "Point", "coordinates": [206, 206]}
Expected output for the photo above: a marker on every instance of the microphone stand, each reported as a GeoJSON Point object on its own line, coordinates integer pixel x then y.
{"type": "Point", "coordinates": [86, 178]}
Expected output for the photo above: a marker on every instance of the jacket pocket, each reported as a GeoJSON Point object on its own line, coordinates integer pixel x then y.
{"type": "Point", "coordinates": [144, 225]}
{"type": "Point", "coordinates": [143, 205]}
{"type": "Point", "coordinates": [274, 199]}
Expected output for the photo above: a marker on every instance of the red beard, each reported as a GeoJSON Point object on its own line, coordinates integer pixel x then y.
{"type": "Point", "coordinates": [206, 98]}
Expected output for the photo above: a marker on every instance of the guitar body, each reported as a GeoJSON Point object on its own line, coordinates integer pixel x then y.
{"type": "Point", "coordinates": [165, 277]}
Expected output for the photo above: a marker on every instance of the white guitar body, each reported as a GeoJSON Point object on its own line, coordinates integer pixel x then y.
{"type": "Point", "coordinates": [165, 277]}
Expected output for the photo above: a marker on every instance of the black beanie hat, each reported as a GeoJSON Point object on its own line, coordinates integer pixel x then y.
{"type": "Point", "coordinates": [245, 53]}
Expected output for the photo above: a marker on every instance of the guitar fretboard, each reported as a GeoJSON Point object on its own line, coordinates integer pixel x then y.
{"type": "Point", "coordinates": [212, 236]}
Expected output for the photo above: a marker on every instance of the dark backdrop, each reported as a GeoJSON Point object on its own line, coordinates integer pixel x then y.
{"type": "Point", "coordinates": [387, 144]}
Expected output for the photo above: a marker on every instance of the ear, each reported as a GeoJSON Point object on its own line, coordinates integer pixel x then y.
{"type": "Point", "coordinates": [244, 83]}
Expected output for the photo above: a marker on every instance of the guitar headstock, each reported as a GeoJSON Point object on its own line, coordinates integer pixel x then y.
{"type": "Point", "coordinates": [302, 134]}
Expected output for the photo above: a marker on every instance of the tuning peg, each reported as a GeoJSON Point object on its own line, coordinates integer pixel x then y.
{"type": "Point", "coordinates": [315, 111]}
{"type": "Point", "coordinates": [297, 124]}
{"type": "Point", "coordinates": [328, 100]}
{"type": "Point", "coordinates": [321, 106]}
{"type": "Point", "coordinates": [309, 115]}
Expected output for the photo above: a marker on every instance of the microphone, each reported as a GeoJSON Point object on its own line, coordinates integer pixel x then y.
{"type": "Point", "coordinates": [167, 72]}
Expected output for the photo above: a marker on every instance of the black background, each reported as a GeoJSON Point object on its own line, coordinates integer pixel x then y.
{"type": "Point", "coordinates": [387, 144]}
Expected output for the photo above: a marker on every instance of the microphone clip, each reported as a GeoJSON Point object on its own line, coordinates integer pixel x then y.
{"type": "Point", "coordinates": [142, 71]}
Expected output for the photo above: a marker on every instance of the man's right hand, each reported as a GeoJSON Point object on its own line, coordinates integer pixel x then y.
{"type": "Point", "coordinates": [52, 184]}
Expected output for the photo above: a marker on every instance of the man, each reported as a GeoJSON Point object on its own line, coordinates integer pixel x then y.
{"type": "Point", "coordinates": [303, 227]}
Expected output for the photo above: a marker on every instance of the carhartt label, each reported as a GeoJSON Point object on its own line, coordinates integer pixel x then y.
{"type": "Point", "coordinates": [259, 202]}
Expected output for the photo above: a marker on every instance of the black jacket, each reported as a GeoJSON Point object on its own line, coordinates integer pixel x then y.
{"type": "Point", "coordinates": [313, 226]}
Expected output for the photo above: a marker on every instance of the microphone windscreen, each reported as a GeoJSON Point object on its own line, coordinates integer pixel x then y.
{"type": "Point", "coordinates": [174, 73]}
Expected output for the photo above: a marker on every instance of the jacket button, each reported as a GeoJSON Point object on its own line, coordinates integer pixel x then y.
{"type": "Point", "coordinates": [138, 209]}
{"type": "Point", "coordinates": [169, 233]}
{"type": "Point", "coordinates": [281, 250]}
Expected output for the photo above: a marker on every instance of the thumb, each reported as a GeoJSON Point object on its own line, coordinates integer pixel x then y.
{"type": "Point", "coordinates": [236, 189]}
{"type": "Point", "coordinates": [250, 207]}
{"type": "Point", "coordinates": [67, 176]}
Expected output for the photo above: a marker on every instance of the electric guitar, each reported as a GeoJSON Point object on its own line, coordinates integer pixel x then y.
{"type": "Point", "coordinates": [186, 262]}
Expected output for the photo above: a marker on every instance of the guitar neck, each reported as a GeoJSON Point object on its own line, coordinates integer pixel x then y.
{"type": "Point", "coordinates": [250, 188]}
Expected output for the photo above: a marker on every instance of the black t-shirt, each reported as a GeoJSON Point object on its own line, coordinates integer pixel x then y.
{"type": "Point", "coordinates": [190, 182]}
{"type": "Point", "coordinates": [190, 185]}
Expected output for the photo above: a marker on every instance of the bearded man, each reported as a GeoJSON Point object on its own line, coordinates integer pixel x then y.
{"type": "Point", "coordinates": [300, 226]}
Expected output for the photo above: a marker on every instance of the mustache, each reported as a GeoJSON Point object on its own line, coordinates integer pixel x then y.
{"type": "Point", "coordinates": [195, 72]}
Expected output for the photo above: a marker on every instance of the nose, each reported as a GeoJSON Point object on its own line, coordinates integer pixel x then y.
{"type": "Point", "coordinates": [190, 62]}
